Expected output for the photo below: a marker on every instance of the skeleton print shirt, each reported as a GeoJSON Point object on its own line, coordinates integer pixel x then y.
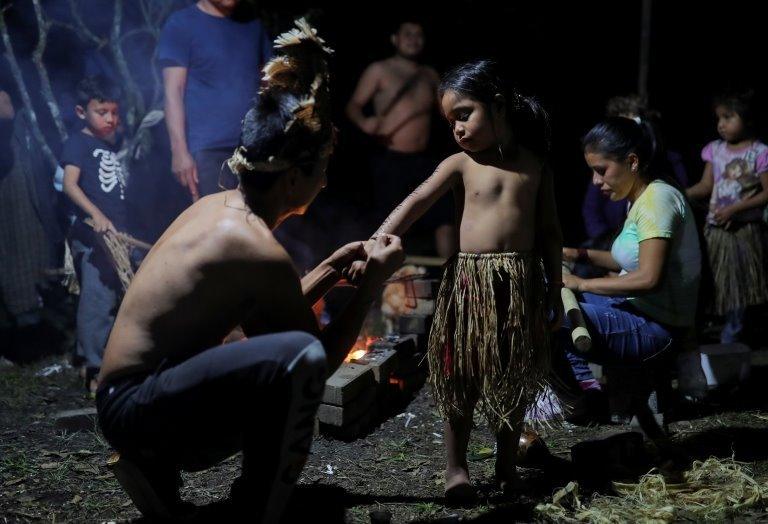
{"type": "Point", "coordinates": [101, 176]}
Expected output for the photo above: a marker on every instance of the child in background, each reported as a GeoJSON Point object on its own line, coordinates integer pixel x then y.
{"type": "Point", "coordinates": [735, 180]}
{"type": "Point", "coordinates": [489, 343]}
{"type": "Point", "coordinates": [94, 181]}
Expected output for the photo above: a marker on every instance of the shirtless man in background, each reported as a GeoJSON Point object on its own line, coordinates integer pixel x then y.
{"type": "Point", "coordinates": [404, 96]}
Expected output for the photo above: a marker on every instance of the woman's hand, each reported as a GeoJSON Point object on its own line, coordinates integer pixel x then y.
{"type": "Point", "coordinates": [572, 282]}
{"type": "Point", "coordinates": [554, 303]}
{"type": "Point", "coordinates": [570, 254]}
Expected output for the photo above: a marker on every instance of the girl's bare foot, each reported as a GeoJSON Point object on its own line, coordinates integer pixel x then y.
{"type": "Point", "coordinates": [457, 485]}
{"type": "Point", "coordinates": [507, 479]}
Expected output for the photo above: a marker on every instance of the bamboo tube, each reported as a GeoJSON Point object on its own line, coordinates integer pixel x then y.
{"type": "Point", "coordinates": [582, 340]}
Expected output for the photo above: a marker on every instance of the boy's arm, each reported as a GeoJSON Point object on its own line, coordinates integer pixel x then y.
{"type": "Point", "coordinates": [423, 197]}
{"type": "Point", "coordinates": [182, 163]}
{"type": "Point", "coordinates": [703, 188]}
{"type": "Point", "coordinates": [366, 88]}
{"type": "Point", "coordinates": [71, 177]}
{"type": "Point", "coordinates": [550, 242]}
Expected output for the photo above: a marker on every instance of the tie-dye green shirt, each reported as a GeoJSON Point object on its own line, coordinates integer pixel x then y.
{"type": "Point", "coordinates": [662, 211]}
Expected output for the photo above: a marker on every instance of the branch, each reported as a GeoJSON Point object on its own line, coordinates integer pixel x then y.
{"type": "Point", "coordinates": [134, 95]}
{"type": "Point", "coordinates": [81, 29]}
{"type": "Point", "coordinates": [21, 84]}
{"type": "Point", "coordinates": [43, 27]}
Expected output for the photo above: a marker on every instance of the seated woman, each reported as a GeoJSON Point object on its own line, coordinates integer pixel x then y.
{"type": "Point", "coordinates": [639, 314]}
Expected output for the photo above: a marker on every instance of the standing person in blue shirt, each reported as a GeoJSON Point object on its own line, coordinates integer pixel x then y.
{"type": "Point", "coordinates": [94, 181]}
{"type": "Point", "coordinates": [211, 70]}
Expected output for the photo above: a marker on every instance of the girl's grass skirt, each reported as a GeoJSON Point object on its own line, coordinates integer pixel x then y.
{"type": "Point", "coordinates": [489, 342]}
{"type": "Point", "coordinates": [738, 261]}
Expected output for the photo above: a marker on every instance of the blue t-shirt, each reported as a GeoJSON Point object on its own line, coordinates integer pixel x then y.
{"type": "Point", "coordinates": [223, 59]}
{"type": "Point", "coordinates": [101, 175]}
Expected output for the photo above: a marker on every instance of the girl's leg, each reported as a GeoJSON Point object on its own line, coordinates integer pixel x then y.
{"type": "Point", "coordinates": [734, 324]}
{"type": "Point", "coordinates": [457, 484]}
{"type": "Point", "coordinates": [507, 444]}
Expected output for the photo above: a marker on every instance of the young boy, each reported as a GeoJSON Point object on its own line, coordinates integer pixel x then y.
{"type": "Point", "coordinates": [94, 180]}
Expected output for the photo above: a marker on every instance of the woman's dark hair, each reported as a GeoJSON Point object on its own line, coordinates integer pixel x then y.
{"type": "Point", "coordinates": [97, 88]}
{"type": "Point", "coordinates": [740, 102]}
{"type": "Point", "coordinates": [267, 136]}
{"type": "Point", "coordinates": [617, 137]}
{"type": "Point", "coordinates": [482, 80]}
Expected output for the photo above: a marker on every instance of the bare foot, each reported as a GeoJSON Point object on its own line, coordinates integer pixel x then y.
{"type": "Point", "coordinates": [507, 478]}
{"type": "Point", "coordinates": [458, 486]}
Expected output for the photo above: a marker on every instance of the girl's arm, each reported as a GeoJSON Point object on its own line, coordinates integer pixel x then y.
{"type": "Point", "coordinates": [71, 176]}
{"type": "Point", "coordinates": [653, 253]}
{"type": "Point", "coordinates": [447, 174]}
{"type": "Point", "coordinates": [550, 242]}
{"type": "Point", "coordinates": [595, 257]}
{"type": "Point", "coordinates": [703, 188]}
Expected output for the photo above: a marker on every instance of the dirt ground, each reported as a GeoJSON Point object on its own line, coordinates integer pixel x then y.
{"type": "Point", "coordinates": [53, 476]}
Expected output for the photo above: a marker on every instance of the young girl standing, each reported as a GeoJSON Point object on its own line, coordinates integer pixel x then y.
{"type": "Point", "coordinates": [489, 343]}
{"type": "Point", "coordinates": [736, 181]}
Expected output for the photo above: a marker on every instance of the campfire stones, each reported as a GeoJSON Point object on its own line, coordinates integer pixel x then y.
{"type": "Point", "coordinates": [348, 381]}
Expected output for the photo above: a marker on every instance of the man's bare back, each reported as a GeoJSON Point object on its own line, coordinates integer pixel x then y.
{"type": "Point", "coordinates": [196, 285]}
{"type": "Point", "coordinates": [404, 95]}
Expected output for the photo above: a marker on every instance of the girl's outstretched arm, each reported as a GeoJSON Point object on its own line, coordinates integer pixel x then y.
{"type": "Point", "coordinates": [447, 174]}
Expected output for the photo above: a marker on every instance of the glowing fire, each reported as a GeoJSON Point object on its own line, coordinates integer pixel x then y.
{"type": "Point", "coordinates": [360, 348]}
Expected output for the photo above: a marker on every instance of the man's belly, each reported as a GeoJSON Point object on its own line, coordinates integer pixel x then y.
{"type": "Point", "coordinates": [406, 134]}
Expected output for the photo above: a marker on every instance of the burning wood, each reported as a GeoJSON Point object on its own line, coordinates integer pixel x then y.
{"type": "Point", "coordinates": [361, 348]}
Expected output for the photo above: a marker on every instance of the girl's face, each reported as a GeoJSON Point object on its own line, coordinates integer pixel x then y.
{"type": "Point", "coordinates": [615, 178]}
{"type": "Point", "coordinates": [475, 126]}
{"type": "Point", "coordinates": [730, 126]}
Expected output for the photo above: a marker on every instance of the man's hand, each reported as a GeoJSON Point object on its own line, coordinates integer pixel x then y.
{"type": "Point", "coordinates": [345, 256]}
{"type": "Point", "coordinates": [185, 171]}
{"type": "Point", "coordinates": [101, 224]}
{"type": "Point", "coordinates": [354, 272]}
{"type": "Point", "coordinates": [371, 125]}
{"type": "Point", "coordinates": [385, 258]}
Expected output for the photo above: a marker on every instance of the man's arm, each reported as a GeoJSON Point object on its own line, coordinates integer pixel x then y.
{"type": "Point", "coordinates": [72, 189]}
{"type": "Point", "coordinates": [366, 88]}
{"type": "Point", "coordinates": [316, 283]}
{"type": "Point", "coordinates": [285, 308]}
{"type": "Point", "coordinates": [182, 163]}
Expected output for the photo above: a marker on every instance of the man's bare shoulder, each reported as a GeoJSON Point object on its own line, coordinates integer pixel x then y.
{"type": "Point", "coordinates": [247, 237]}
{"type": "Point", "coordinates": [431, 73]}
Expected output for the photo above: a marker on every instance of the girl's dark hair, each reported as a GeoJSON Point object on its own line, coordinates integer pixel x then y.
{"type": "Point", "coordinates": [264, 137]}
{"type": "Point", "coordinates": [97, 88]}
{"type": "Point", "coordinates": [617, 137]}
{"type": "Point", "coordinates": [740, 102]}
{"type": "Point", "coordinates": [482, 80]}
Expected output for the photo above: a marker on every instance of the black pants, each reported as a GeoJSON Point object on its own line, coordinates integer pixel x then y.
{"type": "Point", "coordinates": [213, 173]}
{"type": "Point", "coordinates": [258, 395]}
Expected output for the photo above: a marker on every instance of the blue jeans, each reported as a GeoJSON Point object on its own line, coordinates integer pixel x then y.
{"type": "Point", "coordinates": [98, 303]}
{"type": "Point", "coordinates": [621, 335]}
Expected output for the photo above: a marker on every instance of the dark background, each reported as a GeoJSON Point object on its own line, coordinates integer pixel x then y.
{"type": "Point", "coordinates": [572, 56]}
